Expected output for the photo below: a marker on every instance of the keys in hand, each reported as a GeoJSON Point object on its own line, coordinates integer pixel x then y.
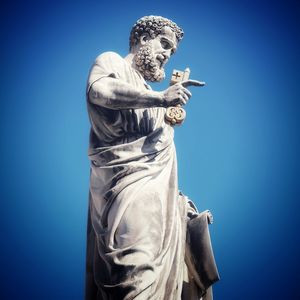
{"type": "Point", "coordinates": [178, 94]}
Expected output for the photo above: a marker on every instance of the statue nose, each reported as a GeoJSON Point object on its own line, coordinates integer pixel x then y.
{"type": "Point", "coordinates": [167, 54]}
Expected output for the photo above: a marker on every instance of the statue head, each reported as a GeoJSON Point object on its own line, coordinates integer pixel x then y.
{"type": "Point", "coordinates": [153, 39]}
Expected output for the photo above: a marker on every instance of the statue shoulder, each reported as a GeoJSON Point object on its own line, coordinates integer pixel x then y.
{"type": "Point", "coordinates": [107, 64]}
{"type": "Point", "coordinates": [109, 57]}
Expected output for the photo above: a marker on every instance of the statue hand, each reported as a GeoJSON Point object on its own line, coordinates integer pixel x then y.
{"type": "Point", "coordinates": [190, 82]}
{"type": "Point", "coordinates": [178, 94]}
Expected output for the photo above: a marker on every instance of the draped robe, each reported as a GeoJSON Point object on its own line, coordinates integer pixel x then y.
{"type": "Point", "coordinates": [137, 219]}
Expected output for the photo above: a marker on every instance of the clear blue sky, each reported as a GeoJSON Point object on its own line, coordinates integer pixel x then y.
{"type": "Point", "coordinates": [238, 150]}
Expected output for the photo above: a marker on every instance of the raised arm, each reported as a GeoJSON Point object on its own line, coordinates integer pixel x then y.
{"type": "Point", "coordinates": [116, 94]}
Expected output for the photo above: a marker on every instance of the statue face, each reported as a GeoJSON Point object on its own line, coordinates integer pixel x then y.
{"type": "Point", "coordinates": [153, 54]}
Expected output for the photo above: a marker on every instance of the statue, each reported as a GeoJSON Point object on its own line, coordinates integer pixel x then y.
{"type": "Point", "coordinates": [138, 246]}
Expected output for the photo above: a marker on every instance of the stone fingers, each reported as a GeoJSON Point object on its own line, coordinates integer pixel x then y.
{"type": "Point", "coordinates": [190, 82]}
{"type": "Point", "coordinates": [184, 97]}
{"type": "Point", "coordinates": [176, 95]}
{"type": "Point", "coordinates": [187, 92]}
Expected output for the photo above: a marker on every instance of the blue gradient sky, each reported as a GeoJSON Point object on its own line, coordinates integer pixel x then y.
{"type": "Point", "coordinates": [238, 149]}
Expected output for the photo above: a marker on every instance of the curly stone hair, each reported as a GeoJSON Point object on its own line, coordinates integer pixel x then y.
{"type": "Point", "coordinates": [152, 25]}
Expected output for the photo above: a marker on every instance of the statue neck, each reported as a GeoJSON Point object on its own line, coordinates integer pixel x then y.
{"type": "Point", "coordinates": [130, 60]}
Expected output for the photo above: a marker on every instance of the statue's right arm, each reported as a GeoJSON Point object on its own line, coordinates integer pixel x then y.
{"type": "Point", "coordinates": [114, 93]}
{"type": "Point", "coordinates": [117, 94]}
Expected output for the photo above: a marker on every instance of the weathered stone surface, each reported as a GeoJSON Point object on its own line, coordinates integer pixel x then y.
{"type": "Point", "coordinates": [137, 217]}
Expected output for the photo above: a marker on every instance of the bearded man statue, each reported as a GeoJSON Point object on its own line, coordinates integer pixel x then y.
{"type": "Point", "coordinates": [137, 220]}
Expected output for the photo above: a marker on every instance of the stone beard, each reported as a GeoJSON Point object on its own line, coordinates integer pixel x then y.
{"type": "Point", "coordinates": [148, 65]}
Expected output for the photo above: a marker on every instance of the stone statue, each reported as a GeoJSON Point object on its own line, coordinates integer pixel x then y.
{"type": "Point", "coordinates": [137, 244]}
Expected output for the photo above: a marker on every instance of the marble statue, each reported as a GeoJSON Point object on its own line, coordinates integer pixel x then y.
{"type": "Point", "coordinates": [138, 244]}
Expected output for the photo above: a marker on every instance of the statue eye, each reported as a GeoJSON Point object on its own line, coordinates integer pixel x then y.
{"type": "Point", "coordinates": [165, 44]}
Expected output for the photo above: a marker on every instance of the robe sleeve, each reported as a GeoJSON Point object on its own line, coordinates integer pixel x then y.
{"type": "Point", "coordinates": [107, 64]}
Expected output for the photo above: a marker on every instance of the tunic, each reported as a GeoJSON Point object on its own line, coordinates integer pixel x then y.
{"type": "Point", "coordinates": [137, 219]}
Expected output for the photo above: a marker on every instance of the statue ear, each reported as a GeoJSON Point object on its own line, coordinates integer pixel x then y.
{"type": "Point", "coordinates": [144, 38]}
